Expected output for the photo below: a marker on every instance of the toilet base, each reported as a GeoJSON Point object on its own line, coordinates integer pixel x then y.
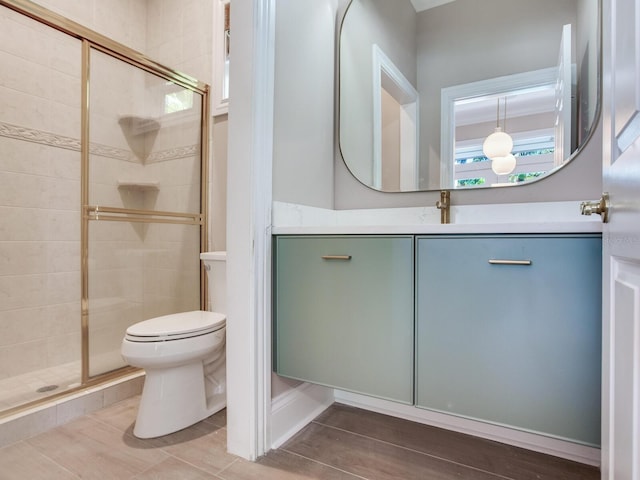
{"type": "Point", "coordinates": [173, 399]}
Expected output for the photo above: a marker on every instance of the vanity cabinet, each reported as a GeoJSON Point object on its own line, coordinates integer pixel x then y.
{"type": "Point", "coordinates": [504, 329]}
{"type": "Point", "coordinates": [508, 330]}
{"type": "Point", "coordinates": [344, 312]}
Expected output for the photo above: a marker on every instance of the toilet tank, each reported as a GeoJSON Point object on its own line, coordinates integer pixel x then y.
{"type": "Point", "coordinates": [215, 263]}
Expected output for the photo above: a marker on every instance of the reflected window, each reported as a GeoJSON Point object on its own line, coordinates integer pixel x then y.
{"type": "Point", "coordinates": [178, 101]}
{"type": "Point", "coordinates": [530, 123]}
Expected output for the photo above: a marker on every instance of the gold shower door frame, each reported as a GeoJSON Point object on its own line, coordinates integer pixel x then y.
{"type": "Point", "coordinates": [94, 41]}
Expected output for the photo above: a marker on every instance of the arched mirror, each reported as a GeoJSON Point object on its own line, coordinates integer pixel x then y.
{"type": "Point", "coordinates": [454, 94]}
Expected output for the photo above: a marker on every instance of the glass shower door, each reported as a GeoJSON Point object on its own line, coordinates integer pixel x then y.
{"type": "Point", "coordinates": [143, 211]}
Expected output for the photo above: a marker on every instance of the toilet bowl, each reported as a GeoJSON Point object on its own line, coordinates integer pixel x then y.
{"type": "Point", "coordinates": [184, 358]}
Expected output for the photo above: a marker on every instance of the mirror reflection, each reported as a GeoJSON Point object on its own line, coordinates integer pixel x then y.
{"type": "Point", "coordinates": [427, 88]}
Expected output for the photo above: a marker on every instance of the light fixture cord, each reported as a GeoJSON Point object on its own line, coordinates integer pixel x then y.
{"type": "Point", "coordinates": [498, 114]}
{"type": "Point", "coordinates": [504, 123]}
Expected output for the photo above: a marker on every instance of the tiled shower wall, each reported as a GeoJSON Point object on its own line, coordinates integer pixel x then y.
{"type": "Point", "coordinates": [176, 33]}
{"type": "Point", "coordinates": [40, 173]}
{"type": "Point", "coordinates": [39, 197]}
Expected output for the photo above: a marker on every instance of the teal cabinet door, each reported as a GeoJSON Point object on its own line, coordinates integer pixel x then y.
{"type": "Point", "coordinates": [343, 313]}
{"type": "Point", "coordinates": [517, 345]}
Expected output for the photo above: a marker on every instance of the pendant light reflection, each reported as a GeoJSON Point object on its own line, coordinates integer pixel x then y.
{"type": "Point", "coordinates": [497, 146]}
{"type": "Point", "coordinates": [503, 165]}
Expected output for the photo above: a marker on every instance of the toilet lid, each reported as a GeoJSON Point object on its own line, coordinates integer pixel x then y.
{"type": "Point", "coordinates": [176, 326]}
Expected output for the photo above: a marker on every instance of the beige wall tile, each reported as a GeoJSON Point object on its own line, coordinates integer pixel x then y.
{"type": "Point", "coordinates": [62, 119]}
{"type": "Point", "coordinates": [26, 426]}
{"type": "Point", "coordinates": [19, 108]}
{"type": "Point", "coordinates": [23, 37]}
{"type": "Point", "coordinates": [61, 194]}
{"type": "Point", "coordinates": [81, 13]}
{"type": "Point", "coordinates": [23, 157]}
{"type": "Point", "coordinates": [22, 258]}
{"type": "Point", "coordinates": [77, 407]}
{"type": "Point", "coordinates": [61, 257]}
{"type": "Point", "coordinates": [125, 390]}
{"type": "Point", "coordinates": [20, 326]}
{"type": "Point", "coordinates": [23, 75]}
{"type": "Point", "coordinates": [64, 163]}
{"type": "Point", "coordinates": [22, 190]}
{"type": "Point", "coordinates": [63, 348]}
{"type": "Point", "coordinates": [62, 287]}
{"type": "Point", "coordinates": [62, 318]}
{"type": "Point", "coordinates": [64, 57]}
{"type": "Point", "coordinates": [22, 291]}
{"type": "Point", "coordinates": [22, 357]}
{"type": "Point", "coordinates": [61, 225]}
{"type": "Point", "coordinates": [23, 224]}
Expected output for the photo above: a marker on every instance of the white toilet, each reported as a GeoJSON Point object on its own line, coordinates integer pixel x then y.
{"type": "Point", "coordinates": [184, 358]}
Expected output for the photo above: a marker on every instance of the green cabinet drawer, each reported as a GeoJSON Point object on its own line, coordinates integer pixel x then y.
{"type": "Point", "coordinates": [343, 313]}
{"type": "Point", "coordinates": [513, 344]}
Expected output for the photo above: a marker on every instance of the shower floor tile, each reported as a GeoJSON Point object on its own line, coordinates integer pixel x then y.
{"type": "Point", "coordinates": [21, 389]}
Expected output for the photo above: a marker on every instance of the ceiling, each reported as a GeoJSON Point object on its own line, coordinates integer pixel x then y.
{"type": "Point", "coordinates": [525, 102]}
{"type": "Point", "coordinates": [421, 5]}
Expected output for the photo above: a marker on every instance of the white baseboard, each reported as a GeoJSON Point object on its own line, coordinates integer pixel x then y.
{"type": "Point", "coordinates": [294, 409]}
{"type": "Point", "coordinates": [518, 438]}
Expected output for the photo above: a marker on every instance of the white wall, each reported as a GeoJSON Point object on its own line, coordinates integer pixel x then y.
{"type": "Point", "coordinates": [248, 210]}
{"type": "Point", "coordinates": [303, 117]}
{"type": "Point", "coordinates": [218, 185]}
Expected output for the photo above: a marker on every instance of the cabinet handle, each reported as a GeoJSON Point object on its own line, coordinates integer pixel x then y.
{"type": "Point", "coordinates": [509, 262]}
{"type": "Point", "coordinates": [336, 257]}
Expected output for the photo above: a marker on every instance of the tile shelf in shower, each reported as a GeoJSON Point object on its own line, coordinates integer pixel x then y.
{"type": "Point", "coordinates": [139, 195]}
{"type": "Point", "coordinates": [139, 184]}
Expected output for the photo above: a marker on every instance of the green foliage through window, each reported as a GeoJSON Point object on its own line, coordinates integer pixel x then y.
{"type": "Point", "coordinates": [541, 151]}
{"type": "Point", "coordinates": [524, 153]}
{"type": "Point", "coordinates": [464, 161]}
{"type": "Point", "coordinates": [524, 177]}
{"type": "Point", "coordinates": [470, 182]}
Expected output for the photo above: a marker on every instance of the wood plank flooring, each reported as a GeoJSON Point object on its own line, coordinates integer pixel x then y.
{"type": "Point", "coordinates": [343, 443]}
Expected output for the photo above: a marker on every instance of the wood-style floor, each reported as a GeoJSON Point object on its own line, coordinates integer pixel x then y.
{"type": "Point", "coordinates": [343, 443]}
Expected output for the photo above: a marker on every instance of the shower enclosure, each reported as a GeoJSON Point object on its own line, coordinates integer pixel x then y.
{"type": "Point", "coordinates": [102, 211]}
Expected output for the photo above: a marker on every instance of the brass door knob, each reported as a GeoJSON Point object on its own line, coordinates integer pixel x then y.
{"type": "Point", "coordinates": [600, 207]}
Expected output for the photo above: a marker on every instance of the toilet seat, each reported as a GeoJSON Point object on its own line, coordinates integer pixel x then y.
{"type": "Point", "coordinates": [176, 326]}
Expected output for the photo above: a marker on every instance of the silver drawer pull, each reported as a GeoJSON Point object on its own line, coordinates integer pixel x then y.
{"type": "Point", "coordinates": [336, 257]}
{"type": "Point", "coordinates": [510, 262]}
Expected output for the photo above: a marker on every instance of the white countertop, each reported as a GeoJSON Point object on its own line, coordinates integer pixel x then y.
{"type": "Point", "coordinates": [484, 228]}
{"type": "Point", "coordinates": [556, 217]}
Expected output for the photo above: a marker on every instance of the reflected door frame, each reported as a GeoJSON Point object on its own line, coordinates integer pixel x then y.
{"type": "Point", "coordinates": [388, 77]}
